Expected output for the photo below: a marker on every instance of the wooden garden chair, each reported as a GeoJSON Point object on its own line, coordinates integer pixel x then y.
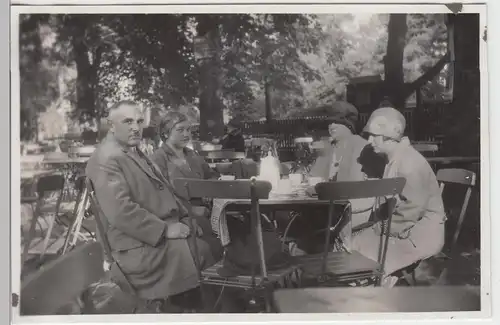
{"type": "Point", "coordinates": [62, 281]}
{"type": "Point", "coordinates": [108, 261]}
{"type": "Point", "coordinates": [254, 191]}
{"type": "Point", "coordinates": [447, 176]}
{"type": "Point", "coordinates": [341, 266]}
{"type": "Point", "coordinates": [45, 185]}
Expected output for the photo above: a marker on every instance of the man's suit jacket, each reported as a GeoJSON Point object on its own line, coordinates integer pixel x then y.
{"type": "Point", "coordinates": [139, 205]}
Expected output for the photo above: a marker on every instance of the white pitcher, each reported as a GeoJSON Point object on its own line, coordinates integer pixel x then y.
{"type": "Point", "coordinates": [270, 170]}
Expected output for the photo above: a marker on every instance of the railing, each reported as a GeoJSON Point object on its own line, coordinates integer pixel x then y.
{"type": "Point", "coordinates": [422, 124]}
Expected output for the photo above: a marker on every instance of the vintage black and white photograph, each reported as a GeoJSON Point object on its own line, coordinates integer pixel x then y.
{"type": "Point", "coordinates": [175, 160]}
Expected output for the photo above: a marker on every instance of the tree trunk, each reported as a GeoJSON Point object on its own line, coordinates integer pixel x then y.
{"type": "Point", "coordinates": [393, 61]}
{"type": "Point", "coordinates": [463, 124]}
{"type": "Point", "coordinates": [211, 117]}
{"type": "Point", "coordinates": [84, 93]}
{"type": "Point", "coordinates": [87, 71]}
{"type": "Point", "coordinates": [267, 93]}
{"type": "Point", "coordinates": [430, 74]}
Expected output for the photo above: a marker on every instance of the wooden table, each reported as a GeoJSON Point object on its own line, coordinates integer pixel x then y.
{"type": "Point", "coordinates": [31, 174]}
{"type": "Point", "coordinates": [452, 160]}
{"type": "Point", "coordinates": [66, 161]}
{"type": "Point", "coordinates": [377, 299]}
{"type": "Point", "coordinates": [220, 164]}
{"type": "Point", "coordinates": [278, 204]}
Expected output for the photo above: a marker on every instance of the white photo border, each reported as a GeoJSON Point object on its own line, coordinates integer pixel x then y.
{"type": "Point", "coordinates": [326, 7]}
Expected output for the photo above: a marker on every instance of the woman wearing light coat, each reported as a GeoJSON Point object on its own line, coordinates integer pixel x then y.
{"type": "Point", "coordinates": [417, 228]}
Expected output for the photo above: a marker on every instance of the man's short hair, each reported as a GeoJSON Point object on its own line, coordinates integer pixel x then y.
{"type": "Point", "coordinates": [119, 104]}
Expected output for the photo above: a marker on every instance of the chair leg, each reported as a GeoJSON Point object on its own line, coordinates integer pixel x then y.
{"type": "Point", "coordinates": [86, 304]}
{"type": "Point", "coordinates": [410, 278]}
{"type": "Point", "coordinates": [30, 235]}
{"type": "Point", "coordinates": [79, 218]}
{"type": "Point", "coordinates": [298, 277]}
{"type": "Point", "coordinates": [442, 277]}
{"type": "Point", "coordinates": [52, 219]}
{"type": "Point", "coordinates": [268, 300]}
{"type": "Point", "coordinates": [208, 304]}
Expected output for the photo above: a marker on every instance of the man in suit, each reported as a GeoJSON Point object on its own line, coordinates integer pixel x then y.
{"type": "Point", "coordinates": [148, 226]}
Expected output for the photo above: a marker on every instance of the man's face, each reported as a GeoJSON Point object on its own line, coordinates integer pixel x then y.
{"type": "Point", "coordinates": [127, 124]}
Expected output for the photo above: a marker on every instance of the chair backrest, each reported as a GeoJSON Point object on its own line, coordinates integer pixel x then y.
{"type": "Point", "coordinates": [224, 168]}
{"type": "Point", "coordinates": [343, 191]}
{"type": "Point", "coordinates": [462, 177]}
{"type": "Point", "coordinates": [456, 176]}
{"type": "Point", "coordinates": [244, 168]}
{"type": "Point", "coordinates": [224, 154]}
{"type": "Point", "coordinates": [259, 142]}
{"type": "Point", "coordinates": [102, 227]}
{"type": "Point", "coordinates": [100, 220]}
{"type": "Point", "coordinates": [303, 140]}
{"type": "Point", "coordinates": [31, 161]}
{"type": "Point", "coordinates": [237, 189]}
{"type": "Point", "coordinates": [425, 146]}
{"type": "Point", "coordinates": [57, 283]}
{"type": "Point", "coordinates": [50, 183]}
{"type": "Point", "coordinates": [207, 147]}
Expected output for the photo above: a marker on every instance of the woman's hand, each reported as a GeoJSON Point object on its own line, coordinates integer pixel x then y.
{"type": "Point", "coordinates": [199, 231]}
{"type": "Point", "coordinates": [200, 211]}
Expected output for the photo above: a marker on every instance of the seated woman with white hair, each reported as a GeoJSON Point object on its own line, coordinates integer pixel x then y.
{"type": "Point", "coordinates": [417, 228]}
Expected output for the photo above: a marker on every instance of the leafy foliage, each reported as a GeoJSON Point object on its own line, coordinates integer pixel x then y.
{"type": "Point", "coordinates": [305, 59]}
{"type": "Point", "coordinates": [38, 79]}
{"type": "Point", "coordinates": [364, 46]}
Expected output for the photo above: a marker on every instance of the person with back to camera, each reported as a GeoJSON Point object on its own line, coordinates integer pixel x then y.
{"type": "Point", "coordinates": [233, 139]}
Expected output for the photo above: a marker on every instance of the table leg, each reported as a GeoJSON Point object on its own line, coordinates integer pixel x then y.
{"type": "Point", "coordinates": [31, 233]}
{"type": "Point", "coordinates": [52, 219]}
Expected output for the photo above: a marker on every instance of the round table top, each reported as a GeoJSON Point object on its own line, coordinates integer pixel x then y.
{"type": "Point", "coordinates": [29, 174]}
{"type": "Point", "coordinates": [77, 160]}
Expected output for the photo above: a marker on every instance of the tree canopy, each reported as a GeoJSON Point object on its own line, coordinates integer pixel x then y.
{"type": "Point", "coordinates": [305, 61]}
